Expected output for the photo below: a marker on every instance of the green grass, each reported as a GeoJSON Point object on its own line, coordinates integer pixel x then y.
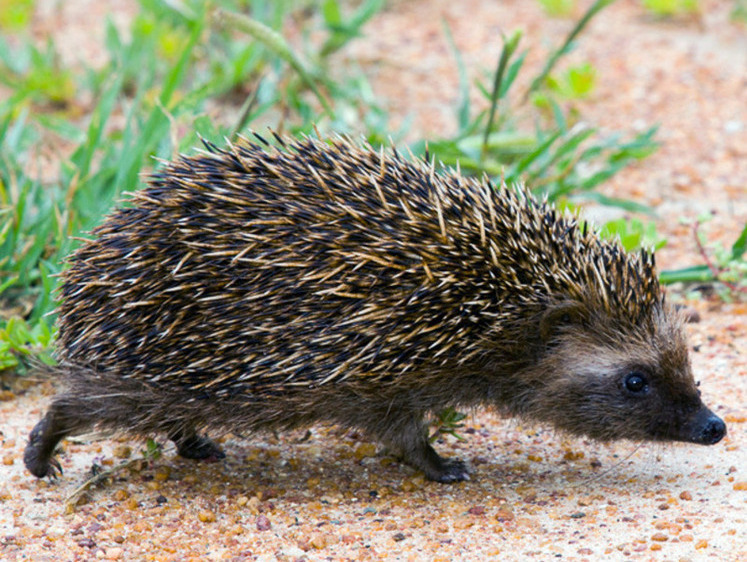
{"type": "Point", "coordinates": [179, 63]}
{"type": "Point", "coordinates": [666, 8]}
{"type": "Point", "coordinates": [150, 101]}
{"type": "Point", "coordinates": [739, 11]}
{"type": "Point", "coordinates": [725, 265]}
{"type": "Point", "coordinates": [558, 8]}
{"type": "Point", "coordinates": [557, 158]}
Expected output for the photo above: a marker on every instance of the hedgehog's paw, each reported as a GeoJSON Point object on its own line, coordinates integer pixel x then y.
{"type": "Point", "coordinates": [415, 450]}
{"type": "Point", "coordinates": [436, 467]}
{"type": "Point", "coordinates": [39, 454]}
{"type": "Point", "coordinates": [40, 467]}
{"type": "Point", "coordinates": [451, 470]}
{"type": "Point", "coordinates": [199, 447]}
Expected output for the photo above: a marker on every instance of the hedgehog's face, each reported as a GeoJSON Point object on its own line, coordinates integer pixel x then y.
{"type": "Point", "coordinates": [609, 379]}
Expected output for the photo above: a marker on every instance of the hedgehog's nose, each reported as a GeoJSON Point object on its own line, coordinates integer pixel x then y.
{"type": "Point", "coordinates": [714, 430]}
{"type": "Point", "coordinates": [711, 429]}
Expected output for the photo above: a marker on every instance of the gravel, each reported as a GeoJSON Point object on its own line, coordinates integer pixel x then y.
{"type": "Point", "coordinates": [534, 494]}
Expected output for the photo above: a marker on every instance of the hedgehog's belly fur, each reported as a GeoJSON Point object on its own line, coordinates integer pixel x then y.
{"type": "Point", "coordinates": [94, 399]}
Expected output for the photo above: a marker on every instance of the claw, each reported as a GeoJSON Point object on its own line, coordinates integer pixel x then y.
{"type": "Point", "coordinates": [55, 469]}
{"type": "Point", "coordinates": [453, 471]}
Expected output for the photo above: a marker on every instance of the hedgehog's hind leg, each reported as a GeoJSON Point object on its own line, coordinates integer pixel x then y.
{"type": "Point", "coordinates": [410, 439]}
{"type": "Point", "coordinates": [191, 445]}
{"type": "Point", "coordinates": [64, 417]}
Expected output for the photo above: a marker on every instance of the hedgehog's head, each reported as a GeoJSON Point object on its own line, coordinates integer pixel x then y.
{"type": "Point", "coordinates": [608, 377]}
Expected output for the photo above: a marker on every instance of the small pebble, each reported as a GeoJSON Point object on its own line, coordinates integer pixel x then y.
{"type": "Point", "coordinates": [318, 541]}
{"type": "Point", "coordinates": [253, 505]}
{"type": "Point", "coordinates": [364, 450]}
{"type": "Point", "coordinates": [122, 452]}
{"type": "Point", "coordinates": [504, 514]}
{"type": "Point", "coordinates": [86, 543]}
{"type": "Point", "coordinates": [162, 474]}
{"type": "Point", "coordinates": [263, 523]}
{"type": "Point", "coordinates": [113, 553]}
{"type": "Point", "coordinates": [132, 504]}
{"type": "Point", "coordinates": [733, 126]}
{"type": "Point", "coordinates": [206, 516]}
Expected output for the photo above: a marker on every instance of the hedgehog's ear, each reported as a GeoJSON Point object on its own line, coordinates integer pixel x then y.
{"type": "Point", "coordinates": [559, 315]}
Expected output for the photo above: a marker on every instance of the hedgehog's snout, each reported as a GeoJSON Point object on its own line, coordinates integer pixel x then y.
{"type": "Point", "coordinates": [706, 428]}
{"type": "Point", "coordinates": [701, 426]}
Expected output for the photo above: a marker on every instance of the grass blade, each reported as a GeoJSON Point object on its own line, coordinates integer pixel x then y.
{"type": "Point", "coordinates": [463, 109]}
{"type": "Point", "coordinates": [278, 45]}
{"type": "Point", "coordinates": [694, 274]}
{"type": "Point", "coordinates": [509, 47]}
{"type": "Point", "coordinates": [740, 246]}
{"type": "Point", "coordinates": [565, 48]}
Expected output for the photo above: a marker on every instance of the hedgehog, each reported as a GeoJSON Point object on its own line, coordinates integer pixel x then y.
{"type": "Point", "coordinates": [275, 285]}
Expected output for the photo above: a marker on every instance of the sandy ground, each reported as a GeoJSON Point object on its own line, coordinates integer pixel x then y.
{"type": "Point", "coordinates": [534, 494]}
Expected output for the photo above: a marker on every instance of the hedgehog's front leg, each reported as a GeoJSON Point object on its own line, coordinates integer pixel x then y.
{"type": "Point", "coordinates": [409, 438]}
{"type": "Point", "coordinates": [191, 445]}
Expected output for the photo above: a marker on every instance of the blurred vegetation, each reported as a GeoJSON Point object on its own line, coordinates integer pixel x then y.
{"type": "Point", "coordinates": [447, 422]}
{"type": "Point", "coordinates": [558, 8]}
{"type": "Point", "coordinates": [665, 8]}
{"type": "Point", "coordinates": [73, 138]}
{"type": "Point", "coordinates": [739, 12]}
{"type": "Point", "coordinates": [725, 265]}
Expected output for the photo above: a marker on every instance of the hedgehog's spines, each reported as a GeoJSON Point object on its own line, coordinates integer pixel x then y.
{"type": "Point", "coordinates": [250, 231]}
{"type": "Point", "coordinates": [209, 146]}
{"type": "Point", "coordinates": [395, 152]}
{"type": "Point", "coordinates": [279, 138]}
{"type": "Point", "coordinates": [261, 139]}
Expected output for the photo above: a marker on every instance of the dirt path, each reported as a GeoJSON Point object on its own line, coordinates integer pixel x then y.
{"type": "Point", "coordinates": [534, 495]}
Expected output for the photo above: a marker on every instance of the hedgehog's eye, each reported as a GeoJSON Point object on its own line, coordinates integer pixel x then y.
{"type": "Point", "coordinates": [636, 382]}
